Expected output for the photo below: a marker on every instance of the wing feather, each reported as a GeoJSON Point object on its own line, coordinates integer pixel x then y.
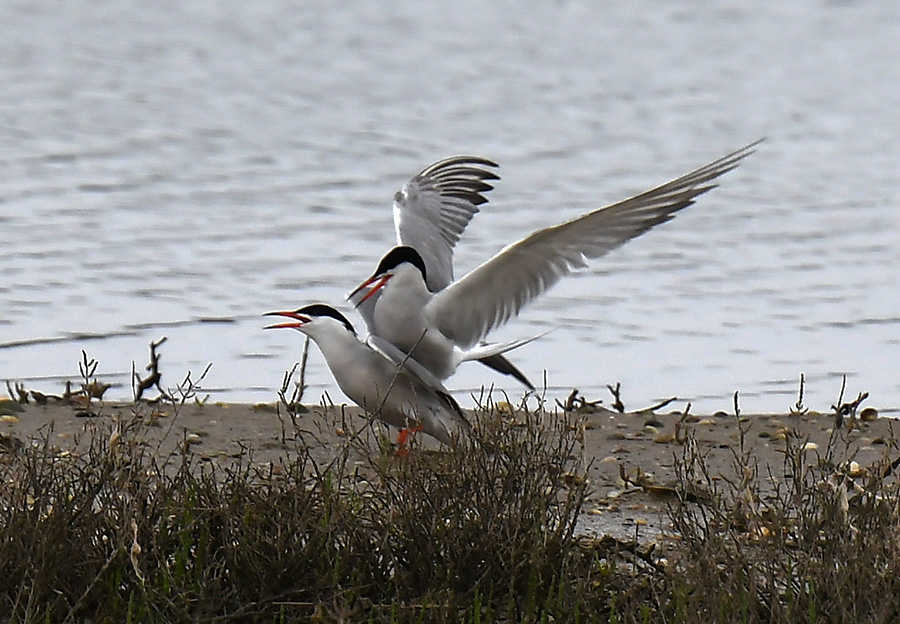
{"type": "Point", "coordinates": [467, 310]}
{"type": "Point", "coordinates": [433, 209]}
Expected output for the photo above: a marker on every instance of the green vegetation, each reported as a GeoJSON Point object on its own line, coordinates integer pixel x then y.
{"type": "Point", "coordinates": [116, 530]}
{"type": "Point", "coordinates": [118, 533]}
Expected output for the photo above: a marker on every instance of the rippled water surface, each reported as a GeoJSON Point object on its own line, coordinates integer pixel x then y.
{"type": "Point", "coordinates": [178, 169]}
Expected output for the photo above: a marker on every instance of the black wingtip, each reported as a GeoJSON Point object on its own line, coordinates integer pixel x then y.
{"type": "Point", "coordinates": [502, 365]}
{"type": "Point", "coordinates": [453, 405]}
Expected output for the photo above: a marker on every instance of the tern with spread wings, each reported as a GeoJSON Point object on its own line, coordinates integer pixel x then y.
{"type": "Point", "coordinates": [444, 328]}
{"type": "Point", "coordinates": [431, 212]}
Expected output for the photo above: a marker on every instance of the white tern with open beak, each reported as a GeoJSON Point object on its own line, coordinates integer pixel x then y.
{"type": "Point", "coordinates": [403, 396]}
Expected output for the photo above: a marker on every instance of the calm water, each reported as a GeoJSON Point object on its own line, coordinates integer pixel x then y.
{"type": "Point", "coordinates": [177, 169]}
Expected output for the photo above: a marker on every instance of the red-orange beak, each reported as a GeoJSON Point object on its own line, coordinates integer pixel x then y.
{"type": "Point", "coordinates": [379, 284]}
{"type": "Point", "coordinates": [298, 322]}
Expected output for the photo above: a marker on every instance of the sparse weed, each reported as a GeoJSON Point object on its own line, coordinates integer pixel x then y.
{"type": "Point", "coordinates": [816, 541]}
{"type": "Point", "coordinates": [118, 532]}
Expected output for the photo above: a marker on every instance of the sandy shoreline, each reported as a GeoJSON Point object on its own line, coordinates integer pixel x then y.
{"type": "Point", "coordinates": [644, 446]}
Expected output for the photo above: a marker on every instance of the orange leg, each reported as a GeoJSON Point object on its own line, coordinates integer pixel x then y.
{"type": "Point", "coordinates": [402, 438]}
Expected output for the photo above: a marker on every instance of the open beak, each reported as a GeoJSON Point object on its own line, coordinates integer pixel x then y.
{"type": "Point", "coordinates": [298, 322]}
{"type": "Point", "coordinates": [379, 284]}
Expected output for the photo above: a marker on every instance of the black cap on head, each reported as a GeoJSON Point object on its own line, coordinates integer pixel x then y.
{"type": "Point", "coordinates": [320, 309]}
{"type": "Point", "coordinates": [397, 256]}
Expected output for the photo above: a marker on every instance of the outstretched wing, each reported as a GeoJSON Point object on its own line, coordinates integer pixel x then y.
{"type": "Point", "coordinates": [490, 295]}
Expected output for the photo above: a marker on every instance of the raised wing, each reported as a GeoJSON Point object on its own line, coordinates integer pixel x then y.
{"type": "Point", "coordinates": [432, 210]}
{"type": "Point", "coordinates": [490, 295]}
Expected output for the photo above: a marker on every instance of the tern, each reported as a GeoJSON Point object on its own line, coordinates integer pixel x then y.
{"type": "Point", "coordinates": [402, 395]}
{"type": "Point", "coordinates": [431, 212]}
{"type": "Point", "coordinates": [441, 329]}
